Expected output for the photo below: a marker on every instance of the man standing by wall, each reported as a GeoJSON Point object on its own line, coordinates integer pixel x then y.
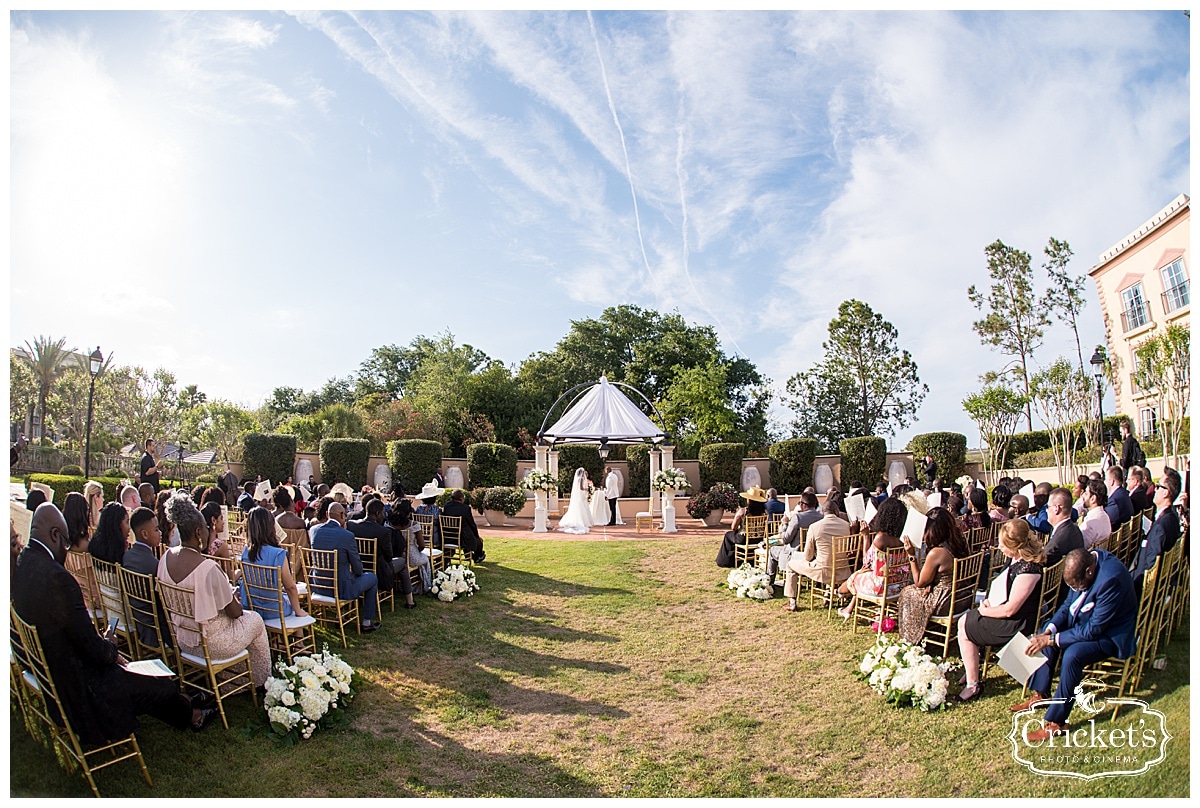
{"type": "Point", "coordinates": [150, 466]}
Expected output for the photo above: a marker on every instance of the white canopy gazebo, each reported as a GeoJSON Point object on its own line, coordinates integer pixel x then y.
{"type": "Point", "coordinates": [601, 413]}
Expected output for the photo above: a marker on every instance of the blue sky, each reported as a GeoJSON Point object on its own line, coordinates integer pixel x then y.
{"type": "Point", "coordinates": [258, 199]}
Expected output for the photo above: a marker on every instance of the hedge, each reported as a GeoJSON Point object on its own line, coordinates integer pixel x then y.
{"type": "Point", "coordinates": [271, 457]}
{"type": "Point", "coordinates": [721, 463]}
{"type": "Point", "coordinates": [575, 456]}
{"type": "Point", "coordinates": [71, 470]}
{"type": "Point", "coordinates": [948, 450]}
{"type": "Point", "coordinates": [863, 460]}
{"type": "Point", "coordinates": [63, 484]}
{"type": "Point", "coordinates": [1039, 439]}
{"type": "Point", "coordinates": [792, 464]}
{"type": "Point", "coordinates": [491, 464]}
{"type": "Point", "coordinates": [344, 460]}
{"type": "Point", "coordinates": [413, 462]}
{"type": "Point", "coordinates": [638, 458]}
{"type": "Point", "coordinates": [503, 498]}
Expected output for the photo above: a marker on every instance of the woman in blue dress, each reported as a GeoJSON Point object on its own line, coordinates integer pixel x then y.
{"type": "Point", "coordinates": [263, 549]}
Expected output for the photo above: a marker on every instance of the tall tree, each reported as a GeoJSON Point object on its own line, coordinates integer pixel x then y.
{"type": "Point", "coordinates": [22, 389]}
{"type": "Point", "coordinates": [866, 384]}
{"type": "Point", "coordinates": [1062, 395]}
{"type": "Point", "coordinates": [220, 425]}
{"type": "Point", "coordinates": [46, 358]}
{"type": "Point", "coordinates": [1064, 297]}
{"type": "Point", "coordinates": [1013, 321]}
{"type": "Point", "coordinates": [1164, 367]}
{"type": "Point", "coordinates": [145, 404]}
{"type": "Point", "coordinates": [995, 409]}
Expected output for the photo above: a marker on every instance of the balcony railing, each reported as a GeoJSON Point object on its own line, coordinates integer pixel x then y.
{"type": "Point", "coordinates": [1176, 297]}
{"type": "Point", "coordinates": [1134, 317]}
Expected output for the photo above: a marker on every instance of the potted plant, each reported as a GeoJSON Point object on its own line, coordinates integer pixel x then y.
{"type": "Point", "coordinates": [710, 505]}
{"type": "Point", "coordinates": [497, 504]}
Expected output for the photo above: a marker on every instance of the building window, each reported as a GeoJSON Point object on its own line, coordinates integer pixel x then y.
{"type": "Point", "coordinates": [1135, 313]}
{"type": "Point", "coordinates": [1148, 423]}
{"type": "Point", "coordinates": [1175, 281]}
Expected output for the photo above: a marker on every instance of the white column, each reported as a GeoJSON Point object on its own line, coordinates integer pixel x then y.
{"type": "Point", "coordinates": [539, 497]}
{"type": "Point", "coordinates": [554, 471]}
{"type": "Point", "coordinates": [668, 502]}
{"type": "Point", "coordinates": [655, 468]}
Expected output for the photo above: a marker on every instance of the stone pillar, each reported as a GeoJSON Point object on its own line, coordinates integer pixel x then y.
{"type": "Point", "coordinates": [540, 463]}
{"type": "Point", "coordinates": [655, 468]}
{"type": "Point", "coordinates": [554, 472]}
{"type": "Point", "coordinates": [668, 502]}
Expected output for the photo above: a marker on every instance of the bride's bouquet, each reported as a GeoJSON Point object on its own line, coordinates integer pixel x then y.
{"type": "Point", "coordinates": [904, 674]}
{"type": "Point", "coordinates": [669, 480]}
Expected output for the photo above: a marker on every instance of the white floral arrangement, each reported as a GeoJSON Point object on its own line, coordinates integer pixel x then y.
{"type": "Point", "coordinates": [904, 674]}
{"type": "Point", "coordinates": [453, 581]}
{"type": "Point", "coordinates": [965, 480]}
{"type": "Point", "coordinates": [749, 582]}
{"type": "Point", "coordinates": [307, 695]}
{"type": "Point", "coordinates": [669, 480]}
{"type": "Point", "coordinates": [538, 480]}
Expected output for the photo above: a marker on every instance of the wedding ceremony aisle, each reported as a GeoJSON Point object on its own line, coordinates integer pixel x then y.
{"type": "Point", "coordinates": [615, 667]}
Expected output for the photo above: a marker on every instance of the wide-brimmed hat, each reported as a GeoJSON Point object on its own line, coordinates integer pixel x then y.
{"type": "Point", "coordinates": [343, 489]}
{"type": "Point", "coordinates": [430, 489]}
{"type": "Point", "coordinates": [755, 493]}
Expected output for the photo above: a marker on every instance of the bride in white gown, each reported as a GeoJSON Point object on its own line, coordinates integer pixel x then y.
{"type": "Point", "coordinates": [578, 518]}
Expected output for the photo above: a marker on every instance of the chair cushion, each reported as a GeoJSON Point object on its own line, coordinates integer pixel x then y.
{"type": "Point", "coordinates": [301, 588]}
{"type": "Point", "coordinates": [293, 621]}
{"type": "Point", "coordinates": [643, 515]}
{"type": "Point", "coordinates": [199, 660]}
{"type": "Point", "coordinates": [328, 601]}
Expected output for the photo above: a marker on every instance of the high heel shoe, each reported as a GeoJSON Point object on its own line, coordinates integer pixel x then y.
{"type": "Point", "coordinates": [845, 614]}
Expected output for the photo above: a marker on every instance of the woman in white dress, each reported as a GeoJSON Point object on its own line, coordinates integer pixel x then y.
{"type": "Point", "coordinates": [578, 518]}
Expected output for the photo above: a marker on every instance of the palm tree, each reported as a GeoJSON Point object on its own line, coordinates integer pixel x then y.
{"type": "Point", "coordinates": [46, 359]}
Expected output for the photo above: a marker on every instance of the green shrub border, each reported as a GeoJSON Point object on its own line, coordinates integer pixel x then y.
{"type": "Point", "coordinates": [863, 459]}
{"type": "Point", "coordinates": [345, 460]}
{"type": "Point", "coordinates": [491, 465]}
{"type": "Point", "coordinates": [270, 456]}
{"type": "Point", "coordinates": [721, 463]}
{"type": "Point", "coordinates": [414, 462]}
{"type": "Point", "coordinates": [792, 464]}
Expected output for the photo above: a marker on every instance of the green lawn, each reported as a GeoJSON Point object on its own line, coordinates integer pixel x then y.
{"type": "Point", "coordinates": [616, 669]}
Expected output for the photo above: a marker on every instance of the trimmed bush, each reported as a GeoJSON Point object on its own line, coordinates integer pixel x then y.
{"type": "Point", "coordinates": [210, 479]}
{"type": "Point", "coordinates": [344, 460]}
{"type": "Point", "coordinates": [948, 450]}
{"type": "Point", "coordinates": [413, 462]}
{"type": "Point", "coordinates": [637, 455]}
{"type": "Point", "coordinates": [501, 498]}
{"type": "Point", "coordinates": [271, 456]}
{"type": "Point", "coordinates": [863, 459]}
{"type": "Point", "coordinates": [792, 464]}
{"type": "Point", "coordinates": [114, 472]}
{"type": "Point", "coordinates": [721, 463]}
{"type": "Point", "coordinates": [491, 464]}
{"type": "Point", "coordinates": [575, 456]}
{"type": "Point", "coordinates": [63, 484]}
{"type": "Point", "coordinates": [71, 470]}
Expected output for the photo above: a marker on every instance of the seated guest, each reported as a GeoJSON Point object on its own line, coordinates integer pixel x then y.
{"type": "Point", "coordinates": [886, 529]}
{"type": "Point", "coordinates": [996, 623]}
{"type": "Point", "coordinates": [1094, 623]}
{"type": "Point", "coordinates": [407, 540]}
{"type": "Point", "coordinates": [320, 515]}
{"type": "Point", "coordinates": [756, 505]}
{"type": "Point", "coordinates": [262, 548]}
{"type": "Point", "coordinates": [1166, 529]}
{"type": "Point", "coordinates": [1119, 507]}
{"type": "Point", "coordinates": [389, 562]}
{"type": "Point", "coordinates": [1065, 535]}
{"type": "Point", "coordinates": [285, 516]}
{"type": "Point", "coordinates": [140, 558]}
{"type": "Point", "coordinates": [929, 595]}
{"type": "Point", "coordinates": [129, 497]}
{"type": "Point", "coordinates": [472, 543]}
{"type": "Point", "coordinates": [198, 493]}
{"type": "Point", "coordinates": [818, 551]}
{"type": "Point", "coordinates": [146, 494]}
{"type": "Point", "coordinates": [169, 533]}
{"type": "Point", "coordinates": [1018, 506]}
{"type": "Point", "coordinates": [1095, 526]}
{"type": "Point", "coordinates": [75, 512]}
{"type": "Point", "coordinates": [214, 495]}
{"type": "Point", "coordinates": [806, 512]}
{"type": "Point", "coordinates": [34, 498]}
{"type": "Point", "coordinates": [214, 520]}
{"type": "Point", "coordinates": [352, 581]}
{"type": "Point", "coordinates": [100, 697]}
{"type": "Point", "coordinates": [93, 492]}
{"type": "Point", "coordinates": [428, 507]}
{"type": "Point", "coordinates": [227, 629]}
{"type": "Point", "coordinates": [1037, 511]}
{"type": "Point", "coordinates": [881, 493]}
{"type": "Point", "coordinates": [1141, 492]}
{"type": "Point", "coordinates": [1001, 498]}
{"type": "Point", "coordinates": [246, 500]}
{"type": "Point", "coordinates": [977, 511]}
{"type": "Point", "coordinates": [112, 534]}
{"type": "Point", "coordinates": [773, 504]}
{"type": "Point", "coordinates": [1077, 491]}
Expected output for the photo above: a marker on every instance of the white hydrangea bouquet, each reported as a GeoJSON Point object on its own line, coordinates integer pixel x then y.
{"type": "Point", "coordinates": [669, 480]}
{"type": "Point", "coordinates": [904, 674]}
{"type": "Point", "coordinates": [749, 582]}
{"type": "Point", "coordinates": [453, 581]}
{"type": "Point", "coordinates": [538, 480]}
{"type": "Point", "coordinates": [308, 695]}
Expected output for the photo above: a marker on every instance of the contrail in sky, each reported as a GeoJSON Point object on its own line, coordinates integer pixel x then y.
{"type": "Point", "coordinates": [628, 173]}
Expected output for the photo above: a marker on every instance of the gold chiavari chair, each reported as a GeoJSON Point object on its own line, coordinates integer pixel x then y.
{"type": "Point", "coordinates": [754, 535]}
{"type": "Point", "coordinates": [895, 571]}
{"type": "Point", "coordinates": [325, 602]}
{"type": "Point", "coordinates": [843, 558]}
{"type": "Point", "coordinates": [288, 634]}
{"type": "Point", "coordinates": [943, 629]}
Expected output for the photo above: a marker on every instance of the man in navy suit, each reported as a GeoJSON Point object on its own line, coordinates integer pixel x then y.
{"type": "Point", "coordinates": [1097, 622]}
{"type": "Point", "coordinates": [1065, 535]}
{"type": "Point", "coordinates": [140, 558]}
{"type": "Point", "coordinates": [352, 581]}
{"type": "Point", "coordinates": [1166, 529]}
{"type": "Point", "coordinates": [1119, 507]}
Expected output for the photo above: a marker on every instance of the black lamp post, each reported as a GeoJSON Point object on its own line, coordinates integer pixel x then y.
{"type": "Point", "coordinates": [1097, 361]}
{"type": "Point", "coordinates": [94, 363]}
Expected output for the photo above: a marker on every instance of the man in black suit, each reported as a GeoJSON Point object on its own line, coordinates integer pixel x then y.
{"type": "Point", "coordinates": [1119, 507]}
{"type": "Point", "coordinates": [387, 565]}
{"type": "Point", "coordinates": [1166, 529]}
{"type": "Point", "coordinates": [930, 471]}
{"type": "Point", "coordinates": [102, 699]}
{"type": "Point", "coordinates": [140, 558]}
{"type": "Point", "coordinates": [1065, 535]}
{"type": "Point", "coordinates": [469, 536]}
{"type": "Point", "coordinates": [1131, 450]}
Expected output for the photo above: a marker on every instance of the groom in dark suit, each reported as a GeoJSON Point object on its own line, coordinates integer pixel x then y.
{"type": "Point", "coordinates": [102, 700]}
{"type": "Point", "coordinates": [1097, 622]}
